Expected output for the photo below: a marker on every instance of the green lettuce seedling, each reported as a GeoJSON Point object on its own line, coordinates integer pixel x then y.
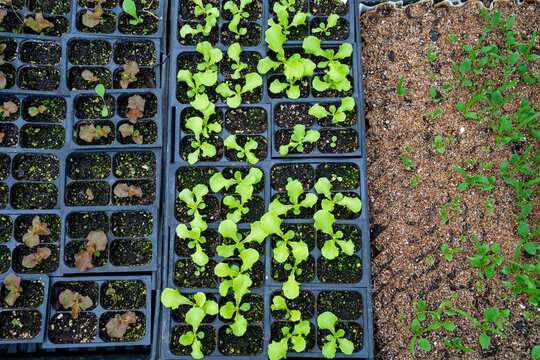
{"type": "Point", "coordinates": [13, 284]}
{"type": "Point", "coordinates": [196, 240]}
{"type": "Point", "coordinates": [335, 340]}
{"type": "Point", "coordinates": [233, 53]}
{"type": "Point", "coordinates": [323, 187]}
{"type": "Point", "coordinates": [337, 114]}
{"type": "Point", "coordinates": [325, 28]}
{"type": "Point", "coordinates": [207, 109]}
{"type": "Point", "coordinates": [197, 84]}
{"type": "Point", "coordinates": [239, 208]}
{"type": "Point", "coordinates": [298, 138]}
{"type": "Point", "coordinates": [282, 11]}
{"type": "Point", "coordinates": [238, 15]}
{"type": "Point", "coordinates": [229, 273]}
{"type": "Point", "coordinates": [100, 91]}
{"type": "Point", "coordinates": [130, 8]}
{"type": "Point", "coordinates": [74, 301]}
{"type": "Point", "coordinates": [172, 298]}
{"type": "Point", "coordinates": [194, 201]}
{"type": "Point", "coordinates": [211, 15]}
{"type": "Point", "coordinates": [294, 191]}
{"type": "Point", "coordinates": [234, 97]}
{"type": "Point", "coordinates": [209, 67]}
{"type": "Point", "coordinates": [228, 230]}
{"type": "Point", "coordinates": [242, 152]}
{"type": "Point", "coordinates": [244, 186]}
{"type": "Point", "coordinates": [38, 24]}
{"type": "Point", "coordinates": [330, 250]}
{"type": "Point", "coordinates": [240, 288]}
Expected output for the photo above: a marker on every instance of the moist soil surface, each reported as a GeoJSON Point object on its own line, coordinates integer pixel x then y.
{"type": "Point", "coordinates": [126, 295]}
{"type": "Point", "coordinates": [130, 252]}
{"type": "Point", "coordinates": [406, 228]}
{"type": "Point", "coordinates": [305, 303]}
{"type": "Point", "coordinates": [65, 330]}
{"type": "Point", "coordinates": [20, 324]}
{"type": "Point", "coordinates": [251, 343]}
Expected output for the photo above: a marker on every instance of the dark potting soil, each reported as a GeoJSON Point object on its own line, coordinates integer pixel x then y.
{"type": "Point", "coordinates": [253, 36]}
{"type": "Point", "coordinates": [56, 109]}
{"type": "Point", "coordinates": [150, 105]}
{"type": "Point", "coordinates": [189, 61]}
{"type": "Point", "coordinates": [254, 9]}
{"type": "Point", "coordinates": [145, 79]}
{"type": "Point", "coordinates": [344, 269]}
{"type": "Point", "coordinates": [79, 224]}
{"type": "Point", "coordinates": [212, 38]}
{"type": "Point", "coordinates": [48, 265]}
{"type": "Point", "coordinates": [286, 115]}
{"type": "Point", "coordinates": [75, 80]}
{"type": "Point", "coordinates": [142, 52]}
{"type": "Point", "coordinates": [280, 173]}
{"type": "Point", "coordinates": [132, 223]}
{"type": "Point", "coordinates": [182, 248]}
{"type": "Point", "coordinates": [330, 93]}
{"type": "Point", "coordinates": [149, 25]}
{"type": "Point", "coordinates": [5, 166]}
{"type": "Point", "coordinates": [328, 7]}
{"type": "Point", "coordinates": [134, 332]}
{"type": "Point", "coordinates": [353, 332]}
{"type": "Point", "coordinates": [305, 213]}
{"type": "Point", "coordinates": [345, 141]}
{"type": "Point", "coordinates": [350, 232]}
{"type": "Point", "coordinates": [338, 32]}
{"type": "Point", "coordinates": [38, 78]}
{"type": "Point", "coordinates": [251, 245]}
{"type": "Point", "coordinates": [5, 258]}
{"type": "Point", "coordinates": [188, 177]}
{"type": "Point", "coordinates": [43, 136]}
{"type": "Point", "coordinates": [12, 22]}
{"type": "Point", "coordinates": [65, 330]}
{"type": "Point", "coordinates": [41, 52]}
{"type": "Point", "coordinates": [84, 288]}
{"type": "Point", "coordinates": [149, 5]}
{"type": "Point", "coordinates": [35, 167]}
{"type": "Point", "coordinates": [283, 137]}
{"type": "Point", "coordinates": [32, 295]}
{"type": "Point", "coordinates": [303, 84]}
{"type": "Point", "coordinates": [82, 166]}
{"type": "Point", "coordinates": [53, 221]}
{"type": "Point", "coordinates": [6, 228]}
{"type": "Point", "coordinates": [250, 58]}
{"type": "Point", "coordinates": [308, 270]}
{"type": "Point", "coordinates": [4, 195]}
{"type": "Point", "coordinates": [254, 315]}
{"type": "Point", "coordinates": [90, 106]}
{"type": "Point", "coordinates": [191, 112]}
{"type": "Point", "coordinates": [302, 232]}
{"type": "Point", "coordinates": [179, 314]}
{"type": "Point", "coordinates": [89, 52]}
{"type": "Point", "coordinates": [98, 124]}
{"type": "Point", "coordinates": [107, 23]}
{"type": "Point", "coordinates": [255, 205]}
{"type": "Point", "coordinates": [304, 302]}
{"type": "Point", "coordinates": [34, 196]}
{"type": "Point", "coordinates": [276, 334]}
{"type": "Point", "coordinates": [147, 129]}
{"type": "Point", "coordinates": [255, 273]}
{"type": "Point", "coordinates": [246, 120]}
{"type": "Point", "coordinates": [341, 212]}
{"type": "Point", "coordinates": [20, 324]}
{"type": "Point", "coordinates": [342, 176]}
{"type": "Point", "coordinates": [350, 119]}
{"type": "Point", "coordinates": [148, 188]}
{"type": "Point", "coordinates": [189, 275]}
{"type": "Point", "coordinates": [261, 152]}
{"type": "Point", "coordinates": [60, 26]}
{"type": "Point", "coordinates": [346, 305]}
{"type": "Point", "coordinates": [9, 73]}
{"type": "Point", "coordinates": [250, 344]}
{"type": "Point", "coordinates": [134, 165]}
{"type": "Point", "coordinates": [210, 213]}
{"type": "Point", "coordinates": [73, 247]}
{"type": "Point", "coordinates": [208, 342]}
{"type": "Point", "coordinates": [49, 6]}
{"type": "Point", "coordinates": [131, 252]}
{"type": "Point", "coordinates": [230, 172]}
{"type": "Point", "coordinates": [128, 295]}
{"type": "Point", "coordinates": [10, 52]}
{"type": "Point", "coordinates": [107, 4]}
{"type": "Point", "coordinates": [87, 193]}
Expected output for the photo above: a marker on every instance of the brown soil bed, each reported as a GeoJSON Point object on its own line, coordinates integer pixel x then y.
{"type": "Point", "coordinates": [406, 229]}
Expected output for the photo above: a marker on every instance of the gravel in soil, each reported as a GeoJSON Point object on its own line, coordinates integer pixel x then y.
{"type": "Point", "coordinates": [65, 330]}
{"type": "Point", "coordinates": [286, 115]}
{"type": "Point", "coordinates": [20, 324]}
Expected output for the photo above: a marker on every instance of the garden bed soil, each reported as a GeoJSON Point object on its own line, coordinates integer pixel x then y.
{"type": "Point", "coordinates": [406, 229]}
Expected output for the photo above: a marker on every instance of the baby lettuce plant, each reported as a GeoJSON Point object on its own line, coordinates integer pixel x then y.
{"type": "Point", "coordinates": [234, 97]}
{"type": "Point", "coordinates": [89, 76]}
{"type": "Point", "coordinates": [336, 339]}
{"type": "Point", "coordinates": [281, 8]}
{"type": "Point", "coordinates": [230, 273]}
{"type": "Point", "coordinates": [323, 222]}
{"type": "Point", "coordinates": [197, 83]}
{"type": "Point", "coordinates": [211, 15]}
{"type": "Point", "coordinates": [242, 152]}
{"type": "Point", "coordinates": [209, 67]}
{"type": "Point", "coordinates": [38, 24]}
{"type": "Point", "coordinates": [74, 301]}
{"type": "Point", "coordinates": [90, 132]}
{"type": "Point", "coordinates": [118, 325]}
{"type": "Point", "coordinates": [294, 191]}
{"type": "Point", "coordinates": [8, 108]}
{"type": "Point", "coordinates": [228, 230]}
{"type": "Point", "coordinates": [129, 75]}
{"type": "Point", "coordinates": [240, 287]}
{"type": "Point", "coordinates": [202, 148]}
{"type": "Point", "coordinates": [239, 208]}
{"type": "Point", "coordinates": [136, 108]}
{"type": "Point", "coordinates": [244, 186]}
{"type": "Point", "coordinates": [123, 190]}
{"type": "Point", "coordinates": [97, 241]}
{"type": "Point", "coordinates": [199, 309]}
{"type": "Point", "coordinates": [93, 18]}
{"type": "Point", "coordinates": [298, 138]}
{"type": "Point", "coordinates": [194, 201]}
{"type": "Point", "coordinates": [233, 53]}
{"type": "Point", "coordinates": [35, 111]}
{"type": "Point", "coordinates": [100, 91]}
{"type": "Point", "coordinates": [31, 237]}
{"type": "Point", "coordinates": [13, 284]}
{"type": "Point", "coordinates": [128, 130]}
{"type": "Point", "coordinates": [337, 115]}
{"type": "Point", "coordinates": [325, 28]}
{"type": "Point", "coordinates": [130, 8]}
{"type": "Point", "coordinates": [199, 257]}
{"type": "Point", "coordinates": [33, 260]}
{"type": "Point", "coordinates": [238, 15]}
{"type": "Point", "coordinates": [323, 187]}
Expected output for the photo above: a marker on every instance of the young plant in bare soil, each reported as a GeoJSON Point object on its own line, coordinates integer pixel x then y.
{"type": "Point", "coordinates": [13, 284]}
{"type": "Point", "coordinates": [97, 241]}
{"type": "Point", "coordinates": [74, 301]}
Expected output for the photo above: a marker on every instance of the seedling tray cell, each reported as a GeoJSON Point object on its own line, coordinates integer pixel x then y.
{"type": "Point", "coordinates": [58, 13]}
